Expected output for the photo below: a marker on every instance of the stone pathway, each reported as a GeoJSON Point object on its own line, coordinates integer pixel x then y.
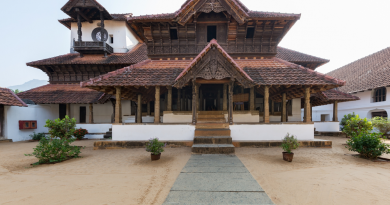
{"type": "Point", "coordinates": [216, 179]}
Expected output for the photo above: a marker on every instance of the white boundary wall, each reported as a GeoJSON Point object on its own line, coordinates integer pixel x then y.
{"type": "Point", "coordinates": [97, 130]}
{"type": "Point", "coordinates": [271, 131]}
{"type": "Point", "coordinates": [327, 126]}
{"type": "Point", "coordinates": [243, 132]}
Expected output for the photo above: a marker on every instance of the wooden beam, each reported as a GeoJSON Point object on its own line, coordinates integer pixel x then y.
{"type": "Point", "coordinates": [83, 15]}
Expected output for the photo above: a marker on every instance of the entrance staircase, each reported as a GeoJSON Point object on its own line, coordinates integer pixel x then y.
{"type": "Point", "coordinates": [212, 134]}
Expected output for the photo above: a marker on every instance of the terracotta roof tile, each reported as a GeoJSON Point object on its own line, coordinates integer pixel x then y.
{"type": "Point", "coordinates": [330, 96]}
{"type": "Point", "coordinates": [137, 54]}
{"type": "Point", "coordinates": [295, 56]}
{"type": "Point", "coordinates": [62, 93]}
{"type": "Point", "coordinates": [7, 97]}
{"type": "Point", "coordinates": [370, 72]}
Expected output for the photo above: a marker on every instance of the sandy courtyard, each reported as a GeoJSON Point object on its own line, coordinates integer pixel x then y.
{"type": "Point", "coordinates": [316, 176]}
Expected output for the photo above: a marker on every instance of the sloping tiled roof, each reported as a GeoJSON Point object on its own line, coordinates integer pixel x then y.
{"type": "Point", "coordinates": [205, 51]}
{"type": "Point", "coordinates": [62, 93]}
{"type": "Point", "coordinates": [116, 17]}
{"type": "Point", "coordinates": [295, 56]}
{"type": "Point", "coordinates": [276, 71]}
{"type": "Point", "coordinates": [7, 97]}
{"type": "Point", "coordinates": [163, 73]}
{"type": "Point", "coordinates": [137, 54]}
{"type": "Point", "coordinates": [330, 96]}
{"type": "Point", "coordinates": [370, 72]}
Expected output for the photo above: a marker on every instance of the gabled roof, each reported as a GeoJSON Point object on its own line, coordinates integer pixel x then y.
{"type": "Point", "coordinates": [63, 93]}
{"type": "Point", "coordinates": [8, 97]}
{"type": "Point", "coordinates": [234, 7]}
{"type": "Point", "coordinates": [367, 73]}
{"type": "Point", "coordinates": [137, 54]}
{"type": "Point", "coordinates": [68, 8]}
{"type": "Point", "coordinates": [213, 43]}
{"type": "Point", "coordinates": [115, 17]}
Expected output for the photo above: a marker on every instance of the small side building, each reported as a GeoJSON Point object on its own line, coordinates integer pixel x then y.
{"type": "Point", "coordinates": [7, 100]}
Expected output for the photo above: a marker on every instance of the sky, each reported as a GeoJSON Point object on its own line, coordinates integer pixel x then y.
{"type": "Point", "coordinates": [339, 30]}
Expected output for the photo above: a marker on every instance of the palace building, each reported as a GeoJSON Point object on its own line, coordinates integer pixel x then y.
{"type": "Point", "coordinates": [211, 69]}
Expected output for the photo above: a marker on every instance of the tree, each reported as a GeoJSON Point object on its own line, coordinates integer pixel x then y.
{"type": "Point", "coordinates": [382, 124]}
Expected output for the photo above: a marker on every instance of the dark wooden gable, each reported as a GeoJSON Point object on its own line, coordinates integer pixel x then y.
{"type": "Point", "coordinates": [213, 65]}
{"type": "Point", "coordinates": [206, 6]}
{"type": "Point", "coordinates": [89, 10]}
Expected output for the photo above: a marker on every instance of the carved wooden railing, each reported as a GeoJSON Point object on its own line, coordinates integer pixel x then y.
{"type": "Point", "coordinates": [93, 46]}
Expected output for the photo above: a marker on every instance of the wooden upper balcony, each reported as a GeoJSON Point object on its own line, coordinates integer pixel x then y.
{"type": "Point", "coordinates": [92, 47]}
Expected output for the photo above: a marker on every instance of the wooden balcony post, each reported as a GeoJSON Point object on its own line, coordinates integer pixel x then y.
{"type": "Point", "coordinates": [91, 113]}
{"type": "Point", "coordinates": [335, 112]}
{"type": "Point", "coordinates": [118, 105]}
{"type": "Point", "coordinates": [225, 97]}
{"type": "Point", "coordinates": [307, 105]}
{"type": "Point", "coordinates": [266, 104]}
{"type": "Point", "coordinates": [79, 32]}
{"type": "Point", "coordinates": [284, 107]}
{"type": "Point", "coordinates": [194, 101]}
{"type": "Point", "coordinates": [178, 99]}
{"type": "Point", "coordinates": [252, 99]}
{"type": "Point", "coordinates": [169, 100]}
{"type": "Point", "coordinates": [157, 105]}
{"type": "Point", "coordinates": [139, 109]}
{"type": "Point", "coordinates": [230, 113]}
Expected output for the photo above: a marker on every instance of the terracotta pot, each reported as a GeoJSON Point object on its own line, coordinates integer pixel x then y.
{"type": "Point", "coordinates": [288, 156]}
{"type": "Point", "coordinates": [155, 157]}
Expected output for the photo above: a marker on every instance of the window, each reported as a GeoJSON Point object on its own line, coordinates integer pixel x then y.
{"type": "Point", "coordinates": [83, 114]}
{"type": "Point", "coordinates": [211, 33]}
{"type": "Point", "coordinates": [173, 33]}
{"type": "Point", "coordinates": [379, 94]}
{"type": "Point", "coordinates": [111, 39]}
{"type": "Point", "coordinates": [250, 32]}
{"type": "Point", "coordinates": [379, 114]}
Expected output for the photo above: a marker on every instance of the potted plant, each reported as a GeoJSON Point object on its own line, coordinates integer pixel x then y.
{"type": "Point", "coordinates": [289, 143]}
{"type": "Point", "coordinates": [80, 133]}
{"type": "Point", "coordinates": [155, 148]}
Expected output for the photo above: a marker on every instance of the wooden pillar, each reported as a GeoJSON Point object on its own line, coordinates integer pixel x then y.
{"type": "Point", "coordinates": [79, 32]}
{"type": "Point", "coordinates": [178, 99]}
{"type": "Point", "coordinates": [169, 100]}
{"type": "Point", "coordinates": [242, 106]}
{"type": "Point", "coordinates": [224, 107]}
{"type": "Point", "coordinates": [118, 105]}
{"type": "Point", "coordinates": [2, 111]}
{"type": "Point", "coordinates": [139, 109]}
{"type": "Point", "coordinates": [230, 113]}
{"type": "Point", "coordinates": [284, 107]}
{"type": "Point", "coordinates": [194, 101]}
{"type": "Point", "coordinates": [148, 108]}
{"type": "Point", "coordinates": [157, 105]}
{"type": "Point", "coordinates": [307, 105]}
{"type": "Point", "coordinates": [311, 112]}
{"type": "Point", "coordinates": [252, 99]}
{"type": "Point", "coordinates": [266, 104]}
{"type": "Point", "coordinates": [91, 113]}
{"type": "Point", "coordinates": [335, 107]}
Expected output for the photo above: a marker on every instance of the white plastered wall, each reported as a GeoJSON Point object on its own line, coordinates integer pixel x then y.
{"type": "Point", "coordinates": [124, 40]}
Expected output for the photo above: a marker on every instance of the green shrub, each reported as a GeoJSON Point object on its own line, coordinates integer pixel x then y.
{"type": "Point", "coordinates": [55, 150]}
{"type": "Point", "coordinates": [368, 145]}
{"type": "Point", "coordinates": [37, 136]}
{"type": "Point", "coordinates": [154, 146]}
{"type": "Point", "coordinates": [382, 124]}
{"type": "Point", "coordinates": [80, 133]}
{"type": "Point", "coordinates": [355, 126]}
{"type": "Point", "coordinates": [289, 143]}
{"type": "Point", "coordinates": [63, 129]}
{"type": "Point", "coordinates": [345, 120]}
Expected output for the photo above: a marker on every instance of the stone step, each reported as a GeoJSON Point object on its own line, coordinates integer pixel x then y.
{"type": "Point", "coordinates": [211, 119]}
{"type": "Point", "coordinates": [211, 116]}
{"type": "Point", "coordinates": [212, 132]}
{"type": "Point", "coordinates": [213, 140]}
{"type": "Point", "coordinates": [212, 125]}
{"type": "Point", "coordinates": [213, 149]}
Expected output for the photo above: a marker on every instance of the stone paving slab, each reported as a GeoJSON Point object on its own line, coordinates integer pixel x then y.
{"type": "Point", "coordinates": [208, 198]}
{"type": "Point", "coordinates": [216, 182]}
{"type": "Point", "coordinates": [216, 179]}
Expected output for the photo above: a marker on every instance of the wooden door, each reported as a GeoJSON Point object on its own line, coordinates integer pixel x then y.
{"type": "Point", "coordinates": [83, 114]}
{"type": "Point", "coordinates": [62, 113]}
